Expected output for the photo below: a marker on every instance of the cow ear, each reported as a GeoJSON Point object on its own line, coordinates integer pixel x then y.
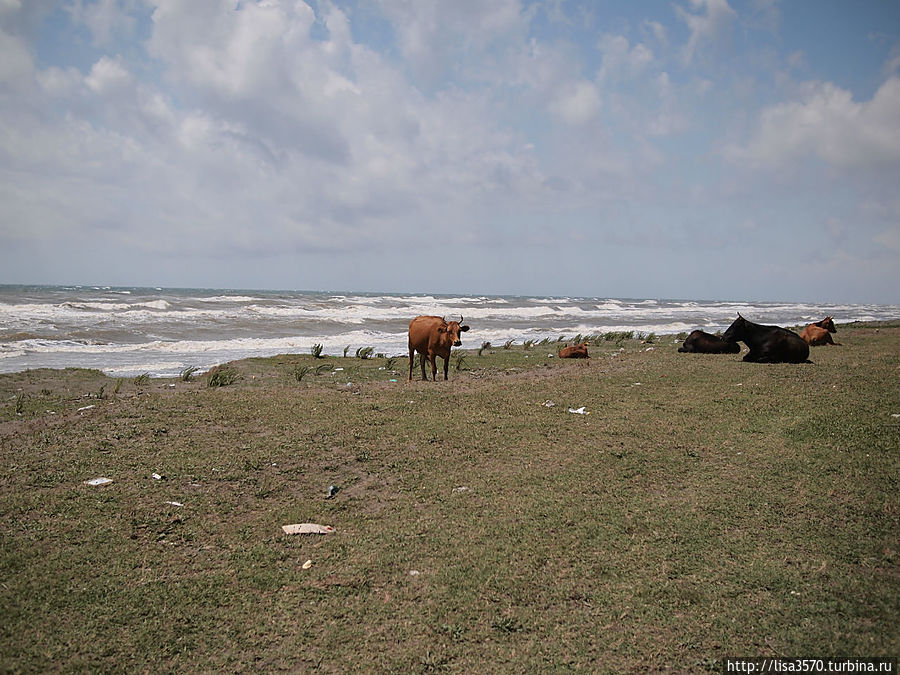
{"type": "Point", "coordinates": [463, 329]}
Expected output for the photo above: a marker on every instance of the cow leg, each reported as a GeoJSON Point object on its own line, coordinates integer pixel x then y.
{"type": "Point", "coordinates": [423, 359]}
{"type": "Point", "coordinates": [434, 367]}
{"type": "Point", "coordinates": [412, 357]}
{"type": "Point", "coordinates": [446, 365]}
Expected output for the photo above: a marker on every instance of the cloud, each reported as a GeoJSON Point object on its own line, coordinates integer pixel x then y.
{"type": "Point", "coordinates": [620, 59]}
{"type": "Point", "coordinates": [106, 19]}
{"type": "Point", "coordinates": [578, 104]}
{"type": "Point", "coordinates": [709, 26]}
{"type": "Point", "coordinates": [107, 75]}
{"type": "Point", "coordinates": [827, 124]}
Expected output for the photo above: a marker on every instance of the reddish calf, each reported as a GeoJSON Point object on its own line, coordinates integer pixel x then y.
{"type": "Point", "coordinates": [819, 333]}
{"type": "Point", "coordinates": [575, 352]}
{"type": "Point", "coordinates": [433, 336]}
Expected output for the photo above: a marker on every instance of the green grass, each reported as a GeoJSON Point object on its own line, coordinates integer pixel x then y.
{"type": "Point", "coordinates": [705, 508]}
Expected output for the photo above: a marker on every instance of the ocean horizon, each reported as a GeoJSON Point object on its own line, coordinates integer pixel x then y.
{"type": "Point", "coordinates": [127, 331]}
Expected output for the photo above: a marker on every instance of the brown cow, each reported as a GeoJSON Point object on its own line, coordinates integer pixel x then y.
{"type": "Point", "coordinates": [433, 336]}
{"type": "Point", "coordinates": [819, 333]}
{"type": "Point", "coordinates": [701, 342]}
{"type": "Point", "coordinates": [575, 352]}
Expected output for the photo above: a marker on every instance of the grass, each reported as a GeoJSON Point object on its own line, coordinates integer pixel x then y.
{"type": "Point", "coordinates": [705, 508]}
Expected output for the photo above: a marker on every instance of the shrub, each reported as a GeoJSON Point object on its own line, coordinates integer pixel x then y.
{"type": "Point", "coordinates": [222, 376]}
{"type": "Point", "coordinates": [316, 350]}
{"type": "Point", "coordinates": [484, 345]}
{"type": "Point", "coordinates": [187, 375]}
{"type": "Point", "coordinates": [300, 372]}
{"type": "Point", "coordinates": [346, 349]}
{"type": "Point", "coordinates": [364, 352]}
{"type": "Point", "coordinates": [142, 379]}
{"type": "Point", "coordinates": [508, 344]}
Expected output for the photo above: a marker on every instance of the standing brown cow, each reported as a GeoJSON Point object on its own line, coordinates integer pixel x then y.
{"type": "Point", "coordinates": [433, 336]}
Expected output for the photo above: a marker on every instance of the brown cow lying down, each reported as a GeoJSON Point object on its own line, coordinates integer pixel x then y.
{"type": "Point", "coordinates": [576, 352]}
{"type": "Point", "coordinates": [819, 333]}
{"type": "Point", "coordinates": [699, 342]}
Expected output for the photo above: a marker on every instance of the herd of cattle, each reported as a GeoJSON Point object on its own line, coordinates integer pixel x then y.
{"type": "Point", "coordinates": [433, 336]}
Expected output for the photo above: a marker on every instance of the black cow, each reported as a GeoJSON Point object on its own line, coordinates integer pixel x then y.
{"type": "Point", "coordinates": [768, 344]}
{"type": "Point", "coordinates": [699, 342]}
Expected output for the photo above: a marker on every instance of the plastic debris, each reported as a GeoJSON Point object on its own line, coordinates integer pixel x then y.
{"type": "Point", "coordinates": [548, 403]}
{"type": "Point", "coordinates": [307, 564]}
{"type": "Point", "coordinates": [332, 491]}
{"type": "Point", "coordinates": [461, 488]}
{"type": "Point", "coordinates": [579, 411]}
{"type": "Point", "coordinates": [98, 481]}
{"type": "Point", "coordinates": [87, 407]}
{"type": "Point", "coordinates": [307, 528]}
{"type": "Point", "coordinates": [157, 476]}
{"type": "Point", "coordinates": [414, 573]}
{"type": "Point", "coordinates": [175, 503]}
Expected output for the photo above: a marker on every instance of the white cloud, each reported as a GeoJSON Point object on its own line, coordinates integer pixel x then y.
{"type": "Point", "coordinates": [106, 19]}
{"type": "Point", "coordinates": [620, 59]}
{"type": "Point", "coordinates": [709, 26]}
{"type": "Point", "coordinates": [578, 103]}
{"type": "Point", "coordinates": [15, 64]}
{"type": "Point", "coordinates": [107, 75]}
{"type": "Point", "coordinates": [828, 124]}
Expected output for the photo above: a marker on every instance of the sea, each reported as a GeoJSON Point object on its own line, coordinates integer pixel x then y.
{"type": "Point", "coordinates": [127, 332]}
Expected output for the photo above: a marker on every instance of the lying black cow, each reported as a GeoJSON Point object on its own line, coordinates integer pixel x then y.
{"type": "Point", "coordinates": [699, 342]}
{"type": "Point", "coordinates": [768, 344]}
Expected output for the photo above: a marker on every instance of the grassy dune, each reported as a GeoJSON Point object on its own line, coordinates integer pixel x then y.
{"type": "Point", "coordinates": [704, 508]}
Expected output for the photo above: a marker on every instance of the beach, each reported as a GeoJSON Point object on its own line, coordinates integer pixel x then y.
{"type": "Point", "coordinates": [128, 331]}
{"type": "Point", "coordinates": [639, 510]}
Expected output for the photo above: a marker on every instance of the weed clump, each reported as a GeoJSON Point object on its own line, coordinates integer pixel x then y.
{"type": "Point", "coordinates": [316, 350]}
{"type": "Point", "coordinates": [222, 376]}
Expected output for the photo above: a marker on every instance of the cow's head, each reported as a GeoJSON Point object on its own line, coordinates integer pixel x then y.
{"type": "Point", "coordinates": [828, 324]}
{"type": "Point", "coordinates": [737, 330]}
{"type": "Point", "coordinates": [453, 329]}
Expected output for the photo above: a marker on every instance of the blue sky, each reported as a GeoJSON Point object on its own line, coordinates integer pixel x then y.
{"type": "Point", "coordinates": [707, 149]}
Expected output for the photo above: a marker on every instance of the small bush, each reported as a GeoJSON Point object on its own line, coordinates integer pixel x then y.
{"type": "Point", "coordinates": [389, 364]}
{"type": "Point", "coordinates": [484, 345]}
{"type": "Point", "coordinates": [222, 377]}
{"type": "Point", "coordinates": [118, 386]}
{"type": "Point", "coordinates": [300, 372]}
{"type": "Point", "coordinates": [528, 344]}
{"type": "Point", "coordinates": [323, 368]}
{"type": "Point", "coordinates": [346, 349]}
{"type": "Point", "coordinates": [460, 359]}
{"type": "Point", "coordinates": [142, 379]}
{"type": "Point", "coordinates": [187, 375]}
{"type": "Point", "coordinates": [316, 350]}
{"type": "Point", "coordinates": [508, 344]}
{"type": "Point", "coordinates": [364, 352]}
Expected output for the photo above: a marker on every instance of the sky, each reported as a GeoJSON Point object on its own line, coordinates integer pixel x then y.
{"type": "Point", "coordinates": [683, 149]}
